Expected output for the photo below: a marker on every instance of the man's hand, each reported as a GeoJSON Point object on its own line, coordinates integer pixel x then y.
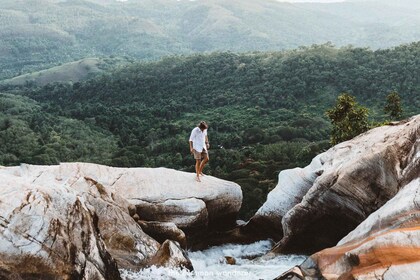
{"type": "Point", "coordinates": [208, 145]}
{"type": "Point", "coordinates": [191, 150]}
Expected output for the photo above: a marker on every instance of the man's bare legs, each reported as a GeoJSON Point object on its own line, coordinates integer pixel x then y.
{"type": "Point", "coordinates": [203, 163]}
{"type": "Point", "coordinates": [197, 169]}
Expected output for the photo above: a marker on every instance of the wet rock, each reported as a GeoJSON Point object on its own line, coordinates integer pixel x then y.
{"type": "Point", "coordinates": [230, 260]}
{"type": "Point", "coordinates": [171, 255]}
{"type": "Point", "coordinates": [292, 274]}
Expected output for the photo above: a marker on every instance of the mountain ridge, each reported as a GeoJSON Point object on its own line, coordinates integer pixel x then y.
{"type": "Point", "coordinates": [38, 34]}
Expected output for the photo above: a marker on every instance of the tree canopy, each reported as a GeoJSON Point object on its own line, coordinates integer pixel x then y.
{"type": "Point", "coordinates": [393, 106]}
{"type": "Point", "coordinates": [348, 119]}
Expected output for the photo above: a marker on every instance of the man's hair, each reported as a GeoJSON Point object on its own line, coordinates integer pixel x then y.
{"type": "Point", "coordinates": [203, 125]}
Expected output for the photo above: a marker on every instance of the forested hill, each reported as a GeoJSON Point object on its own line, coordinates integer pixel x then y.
{"type": "Point", "coordinates": [265, 111]}
{"type": "Point", "coordinates": [38, 34]}
{"type": "Point", "coordinates": [292, 80]}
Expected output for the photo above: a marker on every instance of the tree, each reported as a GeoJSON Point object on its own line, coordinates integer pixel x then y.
{"type": "Point", "coordinates": [393, 105]}
{"type": "Point", "coordinates": [348, 119]}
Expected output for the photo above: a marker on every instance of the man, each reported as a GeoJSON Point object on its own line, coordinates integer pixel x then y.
{"type": "Point", "coordinates": [199, 145]}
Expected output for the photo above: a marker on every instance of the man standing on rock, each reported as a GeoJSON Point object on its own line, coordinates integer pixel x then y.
{"type": "Point", "coordinates": [199, 145]}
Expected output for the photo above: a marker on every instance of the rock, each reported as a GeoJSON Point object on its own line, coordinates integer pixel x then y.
{"type": "Point", "coordinates": [240, 223]}
{"type": "Point", "coordinates": [123, 237]}
{"type": "Point", "coordinates": [170, 254]}
{"type": "Point", "coordinates": [292, 185]}
{"type": "Point", "coordinates": [136, 217]}
{"type": "Point", "coordinates": [162, 231]}
{"type": "Point", "coordinates": [314, 207]}
{"type": "Point", "coordinates": [386, 244]}
{"type": "Point", "coordinates": [49, 233]}
{"type": "Point", "coordinates": [230, 260]}
{"type": "Point", "coordinates": [294, 273]}
{"type": "Point", "coordinates": [166, 195]}
{"type": "Point", "coordinates": [187, 214]}
{"type": "Point", "coordinates": [160, 195]}
{"type": "Point", "coordinates": [157, 192]}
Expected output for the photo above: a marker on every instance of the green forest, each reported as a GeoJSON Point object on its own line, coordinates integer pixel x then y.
{"type": "Point", "coordinates": [38, 34]}
{"type": "Point", "coordinates": [266, 111]}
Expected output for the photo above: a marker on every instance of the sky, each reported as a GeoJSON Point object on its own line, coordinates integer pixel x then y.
{"type": "Point", "coordinates": [312, 1]}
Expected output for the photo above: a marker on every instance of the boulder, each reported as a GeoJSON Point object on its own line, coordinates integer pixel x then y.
{"type": "Point", "coordinates": [161, 231]}
{"type": "Point", "coordinates": [385, 246]}
{"type": "Point", "coordinates": [294, 273]}
{"type": "Point", "coordinates": [123, 237]}
{"type": "Point", "coordinates": [159, 194]}
{"type": "Point", "coordinates": [49, 233]}
{"type": "Point", "coordinates": [230, 260]}
{"type": "Point", "coordinates": [188, 213]}
{"type": "Point", "coordinates": [292, 185]}
{"type": "Point", "coordinates": [314, 207]}
{"type": "Point", "coordinates": [170, 254]}
{"type": "Point", "coordinates": [170, 201]}
{"type": "Point", "coordinates": [167, 195]}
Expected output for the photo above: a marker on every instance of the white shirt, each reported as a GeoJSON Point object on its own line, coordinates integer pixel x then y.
{"type": "Point", "coordinates": [198, 138]}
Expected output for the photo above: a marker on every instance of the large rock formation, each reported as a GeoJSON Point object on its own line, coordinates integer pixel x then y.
{"type": "Point", "coordinates": [292, 186]}
{"type": "Point", "coordinates": [314, 207]}
{"type": "Point", "coordinates": [49, 233]}
{"type": "Point", "coordinates": [76, 219]}
{"type": "Point", "coordinates": [385, 246]}
{"type": "Point", "coordinates": [171, 196]}
{"type": "Point", "coordinates": [123, 237]}
{"type": "Point", "coordinates": [167, 195]}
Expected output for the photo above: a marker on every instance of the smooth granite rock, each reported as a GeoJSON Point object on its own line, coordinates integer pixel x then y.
{"type": "Point", "coordinates": [314, 207]}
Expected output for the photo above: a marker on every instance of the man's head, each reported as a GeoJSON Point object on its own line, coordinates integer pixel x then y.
{"type": "Point", "coordinates": [203, 125]}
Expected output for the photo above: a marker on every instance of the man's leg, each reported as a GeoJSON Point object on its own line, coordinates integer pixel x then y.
{"type": "Point", "coordinates": [203, 163]}
{"type": "Point", "coordinates": [197, 169]}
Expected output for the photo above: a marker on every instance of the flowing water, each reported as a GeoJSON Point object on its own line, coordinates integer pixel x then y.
{"type": "Point", "coordinates": [211, 264]}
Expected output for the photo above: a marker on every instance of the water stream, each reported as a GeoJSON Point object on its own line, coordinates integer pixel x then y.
{"type": "Point", "coordinates": [211, 264]}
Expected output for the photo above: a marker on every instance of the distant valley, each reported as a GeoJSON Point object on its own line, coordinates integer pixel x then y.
{"type": "Point", "coordinates": [39, 34]}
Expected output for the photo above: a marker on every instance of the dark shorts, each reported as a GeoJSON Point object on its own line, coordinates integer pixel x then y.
{"type": "Point", "coordinates": [198, 155]}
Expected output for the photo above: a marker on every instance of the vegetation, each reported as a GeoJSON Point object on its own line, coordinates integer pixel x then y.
{"type": "Point", "coordinates": [69, 72]}
{"type": "Point", "coordinates": [28, 134]}
{"type": "Point", "coordinates": [348, 119]}
{"type": "Point", "coordinates": [265, 111]}
{"type": "Point", "coordinates": [38, 34]}
{"type": "Point", "coordinates": [393, 105]}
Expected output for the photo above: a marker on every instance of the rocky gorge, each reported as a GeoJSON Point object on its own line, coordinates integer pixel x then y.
{"type": "Point", "coordinates": [354, 210]}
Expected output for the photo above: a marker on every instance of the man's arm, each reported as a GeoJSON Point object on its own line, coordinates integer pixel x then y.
{"type": "Point", "coordinates": [191, 146]}
{"type": "Point", "coordinates": [191, 140]}
{"type": "Point", "coordinates": [207, 142]}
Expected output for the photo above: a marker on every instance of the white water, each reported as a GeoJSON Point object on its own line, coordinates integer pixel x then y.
{"type": "Point", "coordinates": [210, 264]}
